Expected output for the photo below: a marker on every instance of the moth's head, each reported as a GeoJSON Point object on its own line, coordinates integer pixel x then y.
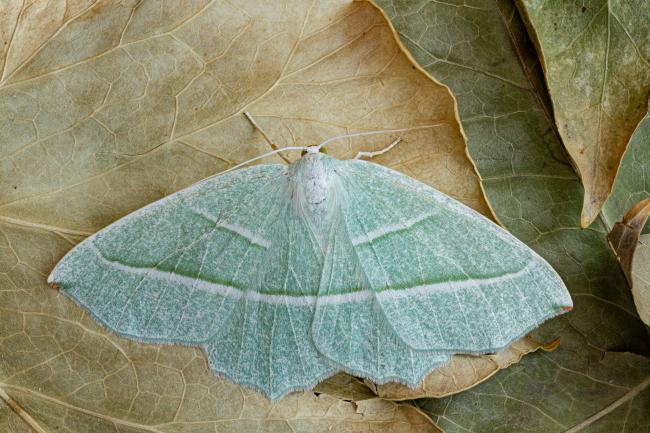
{"type": "Point", "coordinates": [314, 150]}
{"type": "Point", "coordinates": [314, 161]}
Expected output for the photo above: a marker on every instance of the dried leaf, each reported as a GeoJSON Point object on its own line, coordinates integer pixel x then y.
{"type": "Point", "coordinates": [301, 412]}
{"type": "Point", "coordinates": [23, 29]}
{"type": "Point", "coordinates": [596, 62]}
{"type": "Point", "coordinates": [346, 387]}
{"type": "Point", "coordinates": [631, 184]}
{"type": "Point", "coordinates": [118, 104]}
{"type": "Point", "coordinates": [640, 278]}
{"type": "Point", "coordinates": [482, 52]}
{"type": "Point", "coordinates": [629, 204]}
{"type": "Point", "coordinates": [14, 418]}
{"type": "Point", "coordinates": [625, 234]}
{"type": "Point", "coordinates": [463, 372]}
{"type": "Point", "coordinates": [130, 122]}
{"type": "Point", "coordinates": [632, 252]}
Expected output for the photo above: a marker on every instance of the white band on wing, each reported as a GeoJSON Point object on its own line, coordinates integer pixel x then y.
{"type": "Point", "coordinates": [306, 300]}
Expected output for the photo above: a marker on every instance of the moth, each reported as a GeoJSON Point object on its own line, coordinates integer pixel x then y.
{"type": "Point", "coordinates": [287, 274]}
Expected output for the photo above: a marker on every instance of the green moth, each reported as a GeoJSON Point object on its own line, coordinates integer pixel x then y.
{"type": "Point", "coordinates": [285, 275]}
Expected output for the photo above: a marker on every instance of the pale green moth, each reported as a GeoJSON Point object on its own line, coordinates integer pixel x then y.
{"type": "Point", "coordinates": [285, 275]}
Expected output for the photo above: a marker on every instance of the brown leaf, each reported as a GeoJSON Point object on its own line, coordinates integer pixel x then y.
{"type": "Point", "coordinates": [346, 387]}
{"type": "Point", "coordinates": [303, 412]}
{"type": "Point", "coordinates": [378, 406]}
{"type": "Point", "coordinates": [463, 372]}
{"type": "Point", "coordinates": [640, 274]}
{"type": "Point", "coordinates": [633, 252]}
{"type": "Point", "coordinates": [113, 105]}
{"type": "Point", "coordinates": [630, 186]}
{"type": "Point", "coordinates": [116, 128]}
{"type": "Point", "coordinates": [624, 236]}
{"type": "Point", "coordinates": [20, 419]}
{"type": "Point", "coordinates": [24, 28]}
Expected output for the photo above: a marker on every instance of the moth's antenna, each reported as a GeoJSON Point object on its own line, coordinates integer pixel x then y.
{"type": "Point", "coordinates": [257, 158]}
{"type": "Point", "coordinates": [378, 152]}
{"type": "Point", "coordinates": [329, 140]}
{"type": "Point", "coordinates": [385, 131]}
{"type": "Point", "coordinates": [266, 137]}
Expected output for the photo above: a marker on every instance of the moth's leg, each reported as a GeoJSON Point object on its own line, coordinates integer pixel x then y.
{"type": "Point", "coordinates": [378, 152]}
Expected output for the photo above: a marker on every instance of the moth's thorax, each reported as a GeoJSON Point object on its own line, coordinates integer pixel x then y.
{"type": "Point", "coordinates": [314, 185]}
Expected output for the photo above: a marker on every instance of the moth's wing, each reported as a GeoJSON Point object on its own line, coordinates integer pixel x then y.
{"type": "Point", "coordinates": [266, 341]}
{"type": "Point", "coordinates": [350, 328]}
{"type": "Point", "coordinates": [446, 277]}
{"type": "Point", "coordinates": [208, 266]}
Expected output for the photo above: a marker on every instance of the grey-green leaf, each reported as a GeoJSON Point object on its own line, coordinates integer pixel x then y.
{"type": "Point", "coordinates": [596, 58]}
{"type": "Point", "coordinates": [632, 182]}
{"type": "Point", "coordinates": [481, 51]}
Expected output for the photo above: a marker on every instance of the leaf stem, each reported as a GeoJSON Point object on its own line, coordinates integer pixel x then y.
{"type": "Point", "coordinates": [13, 404]}
{"type": "Point", "coordinates": [601, 413]}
